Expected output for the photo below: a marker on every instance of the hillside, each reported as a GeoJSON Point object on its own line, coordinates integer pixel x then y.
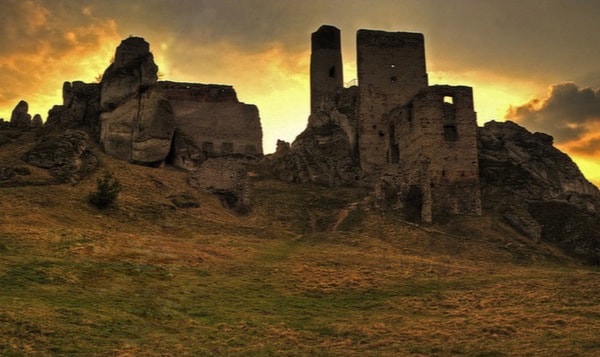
{"type": "Point", "coordinates": [309, 271]}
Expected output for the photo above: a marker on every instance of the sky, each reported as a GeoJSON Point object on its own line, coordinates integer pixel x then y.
{"type": "Point", "coordinates": [535, 62]}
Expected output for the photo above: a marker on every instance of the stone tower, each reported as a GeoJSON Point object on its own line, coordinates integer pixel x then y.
{"type": "Point", "coordinates": [326, 71]}
{"type": "Point", "coordinates": [391, 71]}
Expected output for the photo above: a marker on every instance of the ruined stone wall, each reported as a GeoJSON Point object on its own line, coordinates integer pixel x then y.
{"type": "Point", "coordinates": [391, 70]}
{"type": "Point", "coordinates": [326, 71]}
{"type": "Point", "coordinates": [210, 121]}
{"type": "Point", "coordinates": [439, 126]}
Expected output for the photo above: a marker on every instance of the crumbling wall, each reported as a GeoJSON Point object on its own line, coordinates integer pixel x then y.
{"type": "Point", "coordinates": [210, 121]}
{"type": "Point", "coordinates": [439, 124]}
{"type": "Point", "coordinates": [391, 70]}
{"type": "Point", "coordinates": [326, 71]}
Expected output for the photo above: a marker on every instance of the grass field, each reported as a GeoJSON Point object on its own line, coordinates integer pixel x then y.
{"type": "Point", "coordinates": [307, 272]}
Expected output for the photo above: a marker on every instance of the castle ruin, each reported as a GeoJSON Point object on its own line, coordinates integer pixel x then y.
{"type": "Point", "coordinates": [421, 139]}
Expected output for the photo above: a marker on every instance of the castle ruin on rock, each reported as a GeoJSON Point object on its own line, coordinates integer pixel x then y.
{"type": "Point", "coordinates": [420, 140]}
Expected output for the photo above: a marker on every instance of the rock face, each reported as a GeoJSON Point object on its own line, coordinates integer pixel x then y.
{"type": "Point", "coordinates": [67, 157]}
{"type": "Point", "coordinates": [81, 107]}
{"type": "Point", "coordinates": [20, 117]}
{"type": "Point", "coordinates": [325, 152]}
{"type": "Point", "coordinates": [37, 121]}
{"type": "Point", "coordinates": [137, 121]}
{"type": "Point", "coordinates": [538, 189]}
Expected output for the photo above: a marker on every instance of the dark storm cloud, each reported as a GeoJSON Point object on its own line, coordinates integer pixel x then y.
{"type": "Point", "coordinates": [567, 113]}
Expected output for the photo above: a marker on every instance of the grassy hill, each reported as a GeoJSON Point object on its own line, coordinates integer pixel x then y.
{"type": "Point", "coordinates": [310, 271]}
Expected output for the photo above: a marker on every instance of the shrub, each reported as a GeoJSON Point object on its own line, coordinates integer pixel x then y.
{"type": "Point", "coordinates": [107, 191]}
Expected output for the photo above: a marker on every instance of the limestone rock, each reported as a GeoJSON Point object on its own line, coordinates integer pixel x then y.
{"type": "Point", "coordinates": [20, 117]}
{"type": "Point", "coordinates": [140, 129]}
{"type": "Point", "coordinates": [322, 155]}
{"type": "Point", "coordinates": [538, 189]}
{"type": "Point", "coordinates": [133, 70]}
{"type": "Point", "coordinates": [325, 152]}
{"type": "Point", "coordinates": [67, 157]}
{"type": "Point", "coordinates": [80, 108]}
{"type": "Point", "coordinates": [137, 120]}
{"type": "Point", "coordinates": [37, 121]}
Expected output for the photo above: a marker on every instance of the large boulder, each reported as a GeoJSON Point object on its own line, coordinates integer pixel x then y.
{"type": "Point", "coordinates": [140, 129]}
{"type": "Point", "coordinates": [132, 70]}
{"type": "Point", "coordinates": [538, 189]}
{"type": "Point", "coordinates": [20, 118]}
{"type": "Point", "coordinates": [137, 122]}
{"type": "Point", "coordinates": [67, 157]}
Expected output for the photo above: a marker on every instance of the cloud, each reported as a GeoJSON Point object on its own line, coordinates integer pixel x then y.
{"type": "Point", "coordinates": [568, 113]}
{"type": "Point", "coordinates": [42, 46]}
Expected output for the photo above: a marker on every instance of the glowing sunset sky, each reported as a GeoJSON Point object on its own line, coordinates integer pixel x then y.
{"type": "Point", "coordinates": [532, 61]}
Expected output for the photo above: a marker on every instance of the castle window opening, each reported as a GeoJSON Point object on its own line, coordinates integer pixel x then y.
{"type": "Point", "coordinates": [448, 99]}
{"type": "Point", "coordinates": [450, 133]}
{"type": "Point", "coordinates": [393, 79]}
{"type": "Point", "coordinates": [392, 66]}
{"type": "Point", "coordinates": [332, 72]}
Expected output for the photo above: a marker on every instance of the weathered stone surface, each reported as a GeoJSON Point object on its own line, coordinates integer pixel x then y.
{"type": "Point", "coordinates": [37, 121]}
{"type": "Point", "coordinates": [20, 117]}
{"type": "Point", "coordinates": [67, 157]}
{"type": "Point", "coordinates": [139, 130]}
{"type": "Point", "coordinates": [80, 108]}
{"type": "Point", "coordinates": [538, 189]}
{"type": "Point", "coordinates": [8, 172]}
{"type": "Point", "coordinates": [322, 155]}
{"type": "Point", "coordinates": [226, 177]}
{"type": "Point", "coordinates": [325, 152]}
{"type": "Point", "coordinates": [211, 122]}
{"type": "Point", "coordinates": [184, 200]}
{"type": "Point", "coordinates": [133, 70]}
{"type": "Point", "coordinates": [137, 122]}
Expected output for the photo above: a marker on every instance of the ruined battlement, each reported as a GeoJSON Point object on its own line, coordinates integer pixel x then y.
{"type": "Point", "coordinates": [198, 92]}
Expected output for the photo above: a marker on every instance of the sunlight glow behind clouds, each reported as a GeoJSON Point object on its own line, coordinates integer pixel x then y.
{"type": "Point", "coordinates": [509, 51]}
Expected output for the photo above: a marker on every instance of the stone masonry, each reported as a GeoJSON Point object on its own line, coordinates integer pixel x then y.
{"type": "Point", "coordinates": [420, 140]}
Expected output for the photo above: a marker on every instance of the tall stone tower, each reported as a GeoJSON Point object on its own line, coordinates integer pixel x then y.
{"type": "Point", "coordinates": [391, 71]}
{"type": "Point", "coordinates": [326, 71]}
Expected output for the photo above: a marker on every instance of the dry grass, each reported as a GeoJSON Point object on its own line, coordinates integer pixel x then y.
{"type": "Point", "coordinates": [147, 279]}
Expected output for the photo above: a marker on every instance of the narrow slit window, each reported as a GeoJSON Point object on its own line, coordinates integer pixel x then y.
{"type": "Point", "coordinates": [332, 72]}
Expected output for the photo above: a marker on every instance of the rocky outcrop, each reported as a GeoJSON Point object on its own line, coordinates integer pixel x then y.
{"type": "Point", "coordinates": [80, 108]}
{"type": "Point", "coordinates": [538, 189]}
{"type": "Point", "coordinates": [67, 157]}
{"type": "Point", "coordinates": [37, 121]}
{"type": "Point", "coordinates": [20, 118]}
{"type": "Point", "coordinates": [325, 152]}
{"type": "Point", "coordinates": [137, 123]}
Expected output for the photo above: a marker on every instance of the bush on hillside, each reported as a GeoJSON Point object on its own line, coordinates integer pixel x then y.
{"type": "Point", "coordinates": [107, 191]}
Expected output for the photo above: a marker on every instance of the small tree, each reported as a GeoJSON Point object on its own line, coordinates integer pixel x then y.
{"type": "Point", "coordinates": [107, 191]}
